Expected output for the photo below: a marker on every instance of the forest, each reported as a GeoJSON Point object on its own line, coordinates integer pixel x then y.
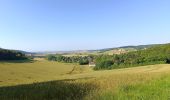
{"type": "Point", "coordinates": [11, 55]}
{"type": "Point", "coordinates": [159, 54]}
{"type": "Point", "coordinates": [74, 59]}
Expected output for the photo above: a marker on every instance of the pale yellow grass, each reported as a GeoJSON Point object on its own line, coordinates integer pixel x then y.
{"type": "Point", "coordinates": [40, 71]}
{"type": "Point", "coordinates": [20, 73]}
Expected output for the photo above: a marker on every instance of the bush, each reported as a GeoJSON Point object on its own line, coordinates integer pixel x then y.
{"type": "Point", "coordinates": [168, 61]}
{"type": "Point", "coordinates": [107, 64]}
{"type": "Point", "coordinates": [51, 58]}
{"type": "Point", "coordinates": [84, 62]}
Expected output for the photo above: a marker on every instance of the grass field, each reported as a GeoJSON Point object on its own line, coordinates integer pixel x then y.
{"type": "Point", "coordinates": [22, 73]}
{"type": "Point", "coordinates": [44, 80]}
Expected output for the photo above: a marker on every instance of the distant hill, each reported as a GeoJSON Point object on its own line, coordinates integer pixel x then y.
{"type": "Point", "coordinates": [24, 52]}
{"type": "Point", "coordinates": [124, 49]}
{"type": "Point", "coordinates": [139, 47]}
{"type": "Point", "coordinates": [110, 51]}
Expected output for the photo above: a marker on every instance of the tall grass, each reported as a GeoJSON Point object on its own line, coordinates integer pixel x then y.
{"type": "Point", "coordinates": [125, 87]}
{"type": "Point", "coordinates": [152, 89]}
{"type": "Point", "coordinates": [142, 83]}
{"type": "Point", "coordinates": [54, 90]}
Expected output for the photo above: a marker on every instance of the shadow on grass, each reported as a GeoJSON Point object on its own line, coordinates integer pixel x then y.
{"type": "Point", "coordinates": [53, 90]}
{"type": "Point", "coordinates": [18, 61]}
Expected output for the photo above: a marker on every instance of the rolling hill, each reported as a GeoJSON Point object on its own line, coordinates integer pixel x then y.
{"type": "Point", "coordinates": [110, 51]}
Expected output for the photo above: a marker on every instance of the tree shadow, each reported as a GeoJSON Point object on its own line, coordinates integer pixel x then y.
{"type": "Point", "coordinates": [18, 61]}
{"type": "Point", "coordinates": [53, 90]}
{"type": "Point", "coordinates": [168, 61]}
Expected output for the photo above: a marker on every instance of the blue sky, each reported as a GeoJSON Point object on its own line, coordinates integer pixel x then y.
{"type": "Point", "coordinates": [48, 25]}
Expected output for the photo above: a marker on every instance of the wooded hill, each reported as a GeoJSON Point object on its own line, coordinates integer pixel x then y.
{"type": "Point", "coordinates": [124, 49]}
{"type": "Point", "coordinates": [11, 55]}
{"type": "Point", "coordinates": [154, 55]}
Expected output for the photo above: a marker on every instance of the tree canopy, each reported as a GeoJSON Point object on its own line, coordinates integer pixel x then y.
{"type": "Point", "coordinates": [11, 55]}
{"type": "Point", "coordinates": [154, 55]}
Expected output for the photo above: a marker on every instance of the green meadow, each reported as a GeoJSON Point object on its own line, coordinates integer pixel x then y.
{"type": "Point", "coordinates": [45, 80]}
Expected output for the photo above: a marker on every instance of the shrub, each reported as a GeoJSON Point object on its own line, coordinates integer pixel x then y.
{"type": "Point", "coordinates": [51, 58]}
{"type": "Point", "coordinates": [84, 62]}
{"type": "Point", "coordinates": [107, 64]}
{"type": "Point", "coordinates": [168, 61]}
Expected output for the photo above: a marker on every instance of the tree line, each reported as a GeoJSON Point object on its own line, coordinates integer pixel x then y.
{"type": "Point", "coordinates": [11, 55]}
{"type": "Point", "coordinates": [82, 60]}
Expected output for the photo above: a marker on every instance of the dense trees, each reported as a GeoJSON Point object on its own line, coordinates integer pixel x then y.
{"type": "Point", "coordinates": [73, 59]}
{"type": "Point", "coordinates": [11, 55]}
{"type": "Point", "coordinates": [154, 55]}
{"type": "Point", "coordinates": [105, 64]}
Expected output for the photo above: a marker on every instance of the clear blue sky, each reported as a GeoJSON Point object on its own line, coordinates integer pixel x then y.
{"type": "Point", "coordinates": [40, 25]}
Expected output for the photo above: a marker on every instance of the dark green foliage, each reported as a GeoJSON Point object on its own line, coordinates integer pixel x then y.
{"type": "Point", "coordinates": [51, 58]}
{"type": "Point", "coordinates": [83, 62]}
{"type": "Point", "coordinates": [107, 64]}
{"type": "Point", "coordinates": [73, 59]}
{"type": "Point", "coordinates": [168, 61]}
{"type": "Point", "coordinates": [154, 55]}
{"type": "Point", "coordinates": [11, 55]}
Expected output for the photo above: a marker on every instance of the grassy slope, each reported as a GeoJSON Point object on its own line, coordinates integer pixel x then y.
{"type": "Point", "coordinates": [21, 73]}
{"type": "Point", "coordinates": [147, 82]}
{"type": "Point", "coordinates": [18, 73]}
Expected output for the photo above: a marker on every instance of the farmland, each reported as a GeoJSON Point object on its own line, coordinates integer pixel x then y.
{"type": "Point", "coordinates": [45, 80]}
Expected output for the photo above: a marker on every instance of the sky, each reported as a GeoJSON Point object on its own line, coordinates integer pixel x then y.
{"type": "Point", "coordinates": [54, 25]}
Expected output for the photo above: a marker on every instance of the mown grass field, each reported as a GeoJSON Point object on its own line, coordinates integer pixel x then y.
{"type": "Point", "coordinates": [44, 80]}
